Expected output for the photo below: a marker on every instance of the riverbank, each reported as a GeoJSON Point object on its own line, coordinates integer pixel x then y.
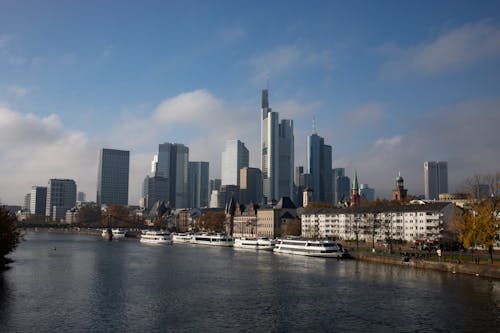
{"type": "Point", "coordinates": [455, 267]}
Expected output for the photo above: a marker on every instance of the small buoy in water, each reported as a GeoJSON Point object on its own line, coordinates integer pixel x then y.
{"type": "Point", "coordinates": [477, 274]}
{"type": "Point", "coordinates": [454, 272]}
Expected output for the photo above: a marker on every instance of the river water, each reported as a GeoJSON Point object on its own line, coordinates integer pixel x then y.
{"type": "Point", "coordinates": [80, 283]}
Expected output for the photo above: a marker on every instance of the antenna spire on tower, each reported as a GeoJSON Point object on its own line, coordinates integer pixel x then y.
{"type": "Point", "coordinates": [314, 124]}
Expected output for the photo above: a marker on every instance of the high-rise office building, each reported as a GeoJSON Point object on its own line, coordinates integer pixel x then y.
{"type": "Point", "coordinates": [61, 196]}
{"type": "Point", "coordinates": [112, 177]}
{"type": "Point", "coordinates": [215, 184]}
{"type": "Point", "coordinates": [234, 157]}
{"type": "Point", "coordinates": [435, 179]}
{"type": "Point", "coordinates": [198, 184]}
{"type": "Point", "coordinates": [154, 189]}
{"type": "Point", "coordinates": [250, 185]}
{"type": "Point", "coordinates": [341, 185]}
{"type": "Point", "coordinates": [81, 196]}
{"type": "Point", "coordinates": [277, 144]}
{"type": "Point", "coordinates": [319, 166]}
{"type": "Point", "coordinates": [365, 191]}
{"type": "Point", "coordinates": [38, 200]}
{"type": "Point", "coordinates": [27, 201]}
{"type": "Point", "coordinates": [172, 163]}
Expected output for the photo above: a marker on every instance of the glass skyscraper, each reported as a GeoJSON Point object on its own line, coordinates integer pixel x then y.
{"type": "Point", "coordinates": [112, 177]}
{"type": "Point", "coordinates": [319, 166]}
{"type": "Point", "coordinates": [234, 157]}
{"type": "Point", "coordinates": [61, 196]}
{"type": "Point", "coordinates": [198, 184]}
{"type": "Point", "coordinates": [435, 179]}
{"type": "Point", "coordinates": [172, 163]}
{"type": "Point", "coordinates": [277, 144]}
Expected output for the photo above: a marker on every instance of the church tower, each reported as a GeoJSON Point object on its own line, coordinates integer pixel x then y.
{"type": "Point", "coordinates": [399, 193]}
{"type": "Point", "coordinates": [355, 191]}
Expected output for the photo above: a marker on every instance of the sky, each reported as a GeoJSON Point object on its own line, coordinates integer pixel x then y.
{"type": "Point", "coordinates": [390, 84]}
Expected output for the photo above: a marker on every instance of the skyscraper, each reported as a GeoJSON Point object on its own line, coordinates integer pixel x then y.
{"type": "Point", "coordinates": [172, 163]}
{"type": "Point", "coordinates": [341, 185]}
{"type": "Point", "coordinates": [112, 177]}
{"type": "Point", "coordinates": [234, 157]}
{"type": "Point", "coordinates": [198, 184]}
{"type": "Point", "coordinates": [277, 144]}
{"type": "Point", "coordinates": [250, 185]}
{"type": "Point", "coordinates": [319, 166]}
{"type": "Point", "coordinates": [155, 189]}
{"type": "Point", "coordinates": [61, 196]}
{"type": "Point", "coordinates": [435, 179]}
{"type": "Point", "coordinates": [38, 200]}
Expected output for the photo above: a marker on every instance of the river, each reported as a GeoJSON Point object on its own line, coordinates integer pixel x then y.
{"type": "Point", "coordinates": [81, 283]}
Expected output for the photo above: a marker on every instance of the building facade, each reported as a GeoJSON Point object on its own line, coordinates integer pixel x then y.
{"type": "Point", "coordinates": [435, 179]}
{"type": "Point", "coordinates": [234, 157]}
{"type": "Point", "coordinates": [366, 192]}
{"type": "Point", "coordinates": [173, 164]}
{"type": "Point", "coordinates": [341, 185]}
{"type": "Point", "coordinates": [415, 222]}
{"type": "Point", "coordinates": [113, 177]}
{"type": "Point", "coordinates": [250, 185]}
{"type": "Point", "coordinates": [198, 184]}
{"type": "Point", "coordinates": [277, 152]}
{"type": "Point", "coordinates": [155, 189]}
{"type": "Point", "coordinates": [61, 196]}
{"type": "Point", "coordinates": [399, 192]}
{"type": "Point", "coordinates": [319, 166]}
{"type": "Point", "coordinates": [38, 202]}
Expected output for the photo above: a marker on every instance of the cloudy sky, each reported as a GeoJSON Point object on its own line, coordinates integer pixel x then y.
{"type": "Point", "coordinates": [390, 83]}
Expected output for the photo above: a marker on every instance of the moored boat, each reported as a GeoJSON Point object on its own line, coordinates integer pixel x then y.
{"type": "Point", "coordinates": [261, 243]}
{"type": "Point", "coordinates": [182, 237]}
{"type": "Point", "coordinates": [156, 237]}
{"type": "Point", "coordinates": [214, 240]}
{"type": "Point", "coordinates": [311, 248]}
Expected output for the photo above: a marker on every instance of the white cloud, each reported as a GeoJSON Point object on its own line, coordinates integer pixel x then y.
{"type": "Point", "coordinates": [17, 90]}
{"type": "Point", "coordinates": [455, 49]}
{"type": "Point", "coordinates": [366, 114]}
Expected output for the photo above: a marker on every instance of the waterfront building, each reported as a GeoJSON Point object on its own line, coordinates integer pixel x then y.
{"type": "Point", "coordinates": [250, 185]}
{"type": "Point", "coordinates": [270, 218]}
{"type": "Point", "coordinates": [234, 157]}
{"type": "Point", "coordinates": [435, 179]}
{"type": "Point", "coordinates": [319, 166]}
{"type": "Point", "coordinates": [399, 193]}
{"type": "Point", "coordinates": [172, 163]}
{"type": "Point", "coordinates": [112, 177]}
{"type": "Point", "coordinates": [155, 189]}
{"type": "Point", "coordinates": [341, 185]}
{"type": "Point", "coordinates": [414, 222]}
{"type": "Point", "coordinates": [38, 200]}
{"type": "Point", "coordinates": [277, 159]}
{"type": "Point", "coordinates": [198, 184]}
{"type": "Point", "coordinates": [245, 220]}
{"type": "Point", "coordinates": [365, 191]}
{"type": "Point", "coordinates": [61, 196]}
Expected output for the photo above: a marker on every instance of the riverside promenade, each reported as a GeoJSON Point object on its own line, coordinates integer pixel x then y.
{"type": "Point", "coordinates": [455, 266]}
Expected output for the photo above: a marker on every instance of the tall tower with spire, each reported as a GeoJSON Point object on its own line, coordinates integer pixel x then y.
{"type": "Point", "coordinates": [355, 190]}
{"type": "Point", "coordinates": [277, 147]}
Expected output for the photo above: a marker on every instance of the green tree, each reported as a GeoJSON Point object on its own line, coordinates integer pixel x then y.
{"type": "Point", "coordinates": [9, 235]}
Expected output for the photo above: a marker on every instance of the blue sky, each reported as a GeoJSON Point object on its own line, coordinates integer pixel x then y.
{"type": "Point", "coordinates": [391, 84]}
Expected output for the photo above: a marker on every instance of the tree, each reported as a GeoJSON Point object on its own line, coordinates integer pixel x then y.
{"type": "Point", "coordinates": [212, 221]}
{"type": "Point", "coordinates": [90, 215]}
{"type": "Point", "coordinates": [9, 235]}
{"type": "Point", "coordinates": [118, 215]}
{"type": "Point", "coordinates": [479, 224]}
{"type": "Point", "coordinates": [291, 228]}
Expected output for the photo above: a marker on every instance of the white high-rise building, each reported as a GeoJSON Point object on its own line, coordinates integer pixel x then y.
{"type": "Point", "coordinates": [277, 152]}
{"type": "Point", "coordinates": [234, 157]}
{"type": "Point", "coordinates": [435, 179]}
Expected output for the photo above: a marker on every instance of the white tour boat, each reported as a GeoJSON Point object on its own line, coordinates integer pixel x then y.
{"type": "Point", "coordinates": [156, 237]}
{"type": "Point", "coordinates": [261, 243]}
{"type": "Point", "coordinates": [112, 233]}
{"type": "Point", "coordinates": [182, 237]}
{"type": "Point", "coordinates": [215, 240]}
{"type": "Point", "coordinates": [311, 248]}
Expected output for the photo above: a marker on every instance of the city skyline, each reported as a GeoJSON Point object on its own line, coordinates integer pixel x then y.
{"type": "Point", "coordinates": [390, 84]}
